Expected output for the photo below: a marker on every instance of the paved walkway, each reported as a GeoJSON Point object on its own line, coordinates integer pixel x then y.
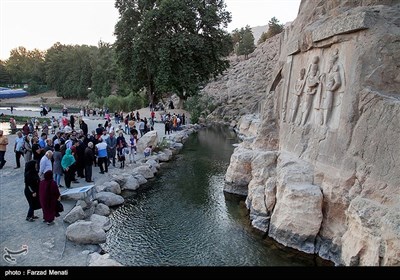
{"type": "Point", "coordinates": [46, 245]}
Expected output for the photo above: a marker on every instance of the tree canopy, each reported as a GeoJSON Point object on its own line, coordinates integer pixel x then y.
{"type": "Point", "coordinates": [25, 66]}
{"type": "Point", "coordinates": [5, 77]}
{"type": "Point", "coordinates": [171, 45]}
{"type": "Point", "coordinates": [243, 40]}
{"type": "Point", "coordinates": [274, 27]}
{"type": "Point", "coordinates": [162, 47]}
{"type": "Point", "coordinates": [103, 69]}
{"type": "Point", "coordinates": [69, 70]}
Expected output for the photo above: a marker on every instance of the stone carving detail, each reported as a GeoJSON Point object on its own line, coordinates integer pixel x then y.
{"type": "Point", "coordinates": [320, 92]}
{"type": "Point", "coordinates": [333, 83]}
{"type": "Point", "coordinates": [297, 94]}
{"type": "Point", "coordinates": [313, 88]}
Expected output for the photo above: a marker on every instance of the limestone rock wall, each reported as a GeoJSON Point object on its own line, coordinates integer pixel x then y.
{"type": "Point", "coordinates": [239, 91]}
{"type": "Point", "coordinates": [323, 164]}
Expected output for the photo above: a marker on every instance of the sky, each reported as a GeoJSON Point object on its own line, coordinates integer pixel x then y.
{"type": "Point", "coordinates": [41, 23]}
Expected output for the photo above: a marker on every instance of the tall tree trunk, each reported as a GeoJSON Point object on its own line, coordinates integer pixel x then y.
{"type": "Point", "coordinates": [180, 103]}
{"type": "Point", "coordinates": [151, 92]}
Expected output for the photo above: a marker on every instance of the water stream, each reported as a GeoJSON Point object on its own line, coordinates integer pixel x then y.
{"type": "Point", "coordinates": [183, 217]}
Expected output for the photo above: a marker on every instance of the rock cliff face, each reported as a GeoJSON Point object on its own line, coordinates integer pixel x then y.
{"type": "Point", "coordinates": [320, 163]}
{"type": "Point", "coordinates": [240, 90]}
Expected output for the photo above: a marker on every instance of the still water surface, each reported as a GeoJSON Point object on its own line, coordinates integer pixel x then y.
{"type": "Point", "coordinates": [183, 217]}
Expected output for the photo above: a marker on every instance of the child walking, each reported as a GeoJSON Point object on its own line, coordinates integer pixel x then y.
{"type": "Point", "coordinates": [132, 145]}
{"type": "Point", "coordinates": [122, 155]}
{"type": "Point", "coordinates": [147, 151]}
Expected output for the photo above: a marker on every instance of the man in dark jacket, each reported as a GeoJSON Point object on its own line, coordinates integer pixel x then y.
{"type": "Point", "coordinates": [84, 127]}
{"type": "Point", "coordinates": [89, 159]}
{"type": "Point", "coordinates": [111, 148]}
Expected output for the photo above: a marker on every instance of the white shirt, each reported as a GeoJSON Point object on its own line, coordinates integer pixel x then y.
{"type": "Point", "coordinates": [19, 143]}
{"type": "Point", "coordinates": [101, 149]}
{"type": "Point", "coordinates": [45, 165]}
{"type": "Point", "coordinates": [67, 129]}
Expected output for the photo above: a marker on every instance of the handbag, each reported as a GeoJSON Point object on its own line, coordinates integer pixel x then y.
{"type": "Point", "coordinates": [60, 206]}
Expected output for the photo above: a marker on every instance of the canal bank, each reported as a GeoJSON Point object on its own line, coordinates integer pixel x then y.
{"type": "Point", "coordinates": [42, 245]}
{"type": "Point", "coordinates": [182, 217]}
{"type": "Point", "coordinates": [49, 247]}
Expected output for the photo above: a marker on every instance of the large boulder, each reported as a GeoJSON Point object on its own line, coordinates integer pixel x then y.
{"type": "Point", "coordinates": [86, 232]}
{"type": "Point", "coordinates": [248, 125]}
{"type": "Point", "coordinates": [363, 243]}
{"type": "Point", "coordinates": [263, 167]}
{"type": "Point", "coordinates": [131, 183]}
{"type": "Point", "coordinates": [140, 178]}
{"type": "Point", "coordinates": [165, 155]}
{"type": "Point", "coordinates": [148, 139]}
{"type": "Point", "coordinates": [297, 216]}
{"type": "Point", "coordinates": [109, 199]}
{"type": "Point", "coordinates": [102, 260]}
{"type": "Point", "coordinates": [113, 187]}
{"type": "Point", "coordinates": [102, 221]}
{"type": "Point", "coordinates": [153, 163]}
{"type": "Point", "coordinates": [144, 170]}
{"type": "Point", "coordinates": [102, 209]}
{"type": "Point", "coordinates": [74, 215]}
{"type": "Point", "coordinates": [120, 178]}
{"type": "Point", "coordinates": [238, 175]}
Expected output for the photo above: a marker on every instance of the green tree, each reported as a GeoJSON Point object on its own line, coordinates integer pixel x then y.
{"type": "Point", "coordinates": [104, 69]}
{"type": "Point", "coordinates": [36, 66]}
{"type": "Point", "coordinates": [262, 38]}
{"type": "Point", "coordinates": [69, 69]}
{"type": "Point", "coordinates": [274, 28]}
{"type": "Point", "coordinates": [25, 66]}
{"type": "Point", "coordinates": [171, 45]}
{"type": "Point", "coordinates": [55, 65]}
{"type": "Point", "coordinates": [5, 78]}
{"type": "Point", "coordinates": [244, 41]}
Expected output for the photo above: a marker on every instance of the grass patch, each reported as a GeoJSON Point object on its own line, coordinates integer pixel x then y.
{"type": "Point", "coordinates": [21, 119]}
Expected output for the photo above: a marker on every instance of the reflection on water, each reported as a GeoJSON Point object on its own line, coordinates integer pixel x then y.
{"type": "Point", "coordinates": [5, 127]}
{"type": "Point", "coordinates": [23, 108]}
{"type": "Point", "coordinates": [183, 217]}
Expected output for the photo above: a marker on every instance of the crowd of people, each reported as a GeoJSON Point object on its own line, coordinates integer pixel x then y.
{"type": "Point", "coordinates": [64, 148]}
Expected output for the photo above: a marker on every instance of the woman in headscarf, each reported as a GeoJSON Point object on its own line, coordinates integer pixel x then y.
{"type": "Point", "coordinates": [48, 195]}
{"type": "Point", "coordinates": [31, 189]}
{"type": "Point", "coordinates": [27, 149]}
{"type": "Point", "coordinates": [67, 161]}
{"type": "Point", "coordinates": [57, 169]}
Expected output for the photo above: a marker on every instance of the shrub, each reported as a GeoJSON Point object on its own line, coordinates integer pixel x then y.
{"type": "Point", "coordinates": [198, 106]}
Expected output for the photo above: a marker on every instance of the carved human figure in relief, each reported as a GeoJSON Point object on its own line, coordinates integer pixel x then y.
{"type": "Point", "coordinates": [298, 91]}
{"type": "Point", "coordinates": [333, 83]}
{"type": "Point", "coordinates": [312, 84]}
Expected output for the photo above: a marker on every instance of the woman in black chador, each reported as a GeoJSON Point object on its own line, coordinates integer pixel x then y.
{"type": "Point", "coordinates": [32, 189]}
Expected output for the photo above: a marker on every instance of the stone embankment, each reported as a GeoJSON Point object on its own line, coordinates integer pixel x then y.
{"type": "Point", "coordinates": [88, 220]}
{"type": "Point", "coordinates": [76, 236]}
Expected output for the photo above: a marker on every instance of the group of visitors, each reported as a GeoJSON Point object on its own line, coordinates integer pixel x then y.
{"type": "Point", "coordinates": [41, 193]}
{"type": "Point", "coordinates": [65, 154]}
{"type": "Point", "coordinates": [73, 151]}
{"type": "Point", "coordinates": [173, 122]}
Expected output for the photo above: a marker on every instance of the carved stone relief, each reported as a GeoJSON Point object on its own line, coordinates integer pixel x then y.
{"type": "Point", "coordinates": [316, 96]}
{"type": "Point", "coordinates": [313, 88]}
{"type": "Point", "coordinates": [332, 83]}
{"type": "Point", "coordinates": [297, 94]}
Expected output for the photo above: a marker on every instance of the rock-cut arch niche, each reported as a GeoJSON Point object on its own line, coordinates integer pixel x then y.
{"type": "Point", "coordinates": [276, 86]}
